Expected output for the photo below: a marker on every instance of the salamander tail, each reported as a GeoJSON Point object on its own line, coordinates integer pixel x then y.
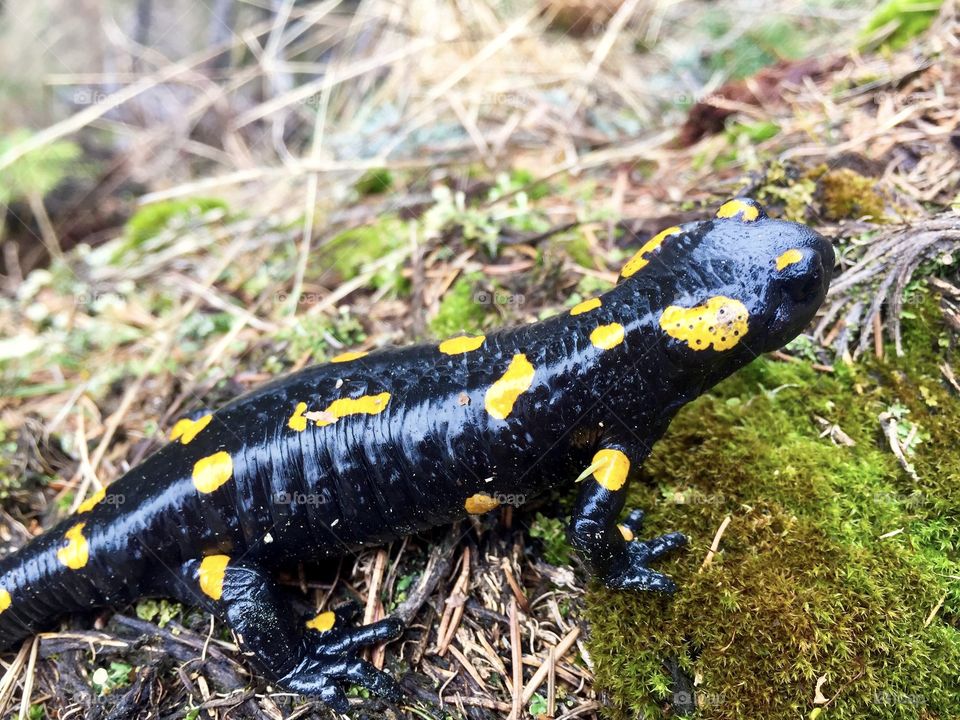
{"type": "Point", "coordinates": [45, 580]}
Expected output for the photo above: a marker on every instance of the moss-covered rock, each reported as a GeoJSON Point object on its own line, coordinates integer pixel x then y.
{"type": "Point", "coordinates": [838, 571]}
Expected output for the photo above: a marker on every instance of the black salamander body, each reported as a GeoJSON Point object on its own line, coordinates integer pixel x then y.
{"type": "Point", "coordinates": [372, 447]}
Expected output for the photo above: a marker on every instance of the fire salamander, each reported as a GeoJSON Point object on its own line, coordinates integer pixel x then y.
{"type": "Point", "coordinates": [374, 446]}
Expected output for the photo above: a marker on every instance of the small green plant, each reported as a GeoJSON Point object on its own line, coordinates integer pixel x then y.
{"type": "Point", "coordinates": [159, 611]}
{"type": "Point", "coordinates": [107, 679]}
{"type": "Point", "coordinates": [538, 705]}
{"type": "Point", "coordinates": [552, 533]}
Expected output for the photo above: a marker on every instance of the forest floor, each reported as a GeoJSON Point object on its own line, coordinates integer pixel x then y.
{"type": "Point", "coordinates": [819, 487]}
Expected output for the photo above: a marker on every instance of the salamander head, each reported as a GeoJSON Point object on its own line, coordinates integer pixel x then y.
{"type": "Point", "coordinates": [732, 287]}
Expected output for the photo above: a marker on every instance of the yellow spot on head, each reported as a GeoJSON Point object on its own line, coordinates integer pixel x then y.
{"type": "Point", "coordinates": [626, 532]}
{"type": "Point", "coordinates": [5, 600]}
{"type": "Point", "coordinates": [720, 322]}
{"type": "Point", "coordinates": [212, 570]}
{"type": "Point", "coordinates": [88, 504]}
{"type": "Point", "coordinates": [611, 468]}
{"type": "Point", "coordinates": [297, 421]}
{"type": "Point", "coordinates": [641, 259]}
{"type": "Point", "coordinates": [743, 210]}
{"type": "Point", "coordinates": [348, 356]}
{"type": "Point", "coordinates": [364, 405]}
{"type": "Point", "coordinates": [323, 621]}
{"type": "Point", "coordinates": [480, 503]}
{"type": "Point", "coordinates": [502, 395]}
{"type": "Point", "coordinates": [789, 258]}
{"type": "Point", "coordinates": [211, 472]}
{"type": "Point", "coordinates": [186, 429]}
{"type": "Point", "coordinates": [76, 552]}
{"type": "Point", "coordinates": [585, 306]}
{"type": "Point", "coordinates": [462, 344]}
{"type": "Point", "coordinates": [607, 336]}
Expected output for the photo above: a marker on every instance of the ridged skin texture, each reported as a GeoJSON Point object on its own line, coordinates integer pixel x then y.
{"type": "Point", "coordinates": [377, 446]}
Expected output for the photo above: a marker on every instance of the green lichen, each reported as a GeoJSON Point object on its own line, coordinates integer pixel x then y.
{"type": "Point", "coordinates": [831, 566]}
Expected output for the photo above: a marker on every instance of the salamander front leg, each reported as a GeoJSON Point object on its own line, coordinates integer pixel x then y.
{"type": "Point", "coordinates": [313, 655]}
{"type": "Point", "coordinates": [609, 549]}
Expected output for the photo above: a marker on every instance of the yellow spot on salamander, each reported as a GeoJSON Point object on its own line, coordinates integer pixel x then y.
{"type": "Point", "coordinates": [297, 421]}
{"type": "Point", "coordinates": [91, 502]}
{"type": "Point", "coordinates": [607, 336]}
{"type": "Point", "coordinates": [462, 344]}
{"type": "Point", "coordinates": [746, 211]}
{"type": "Point", "coordinates": [788, 258]}
{"type": "Point", "coordinates": [720, 322]}
{"type": "Point", "coordinates": [348, 356]}
{"type": "Point", "coordinates": [363, 405]}
{"type": "Point", "coordinates": [211, 573]}
{"type": "Point", "coordinates": [323, 621]}
{"type": "Point", "coordinates": [186, 429]}
{"type": "Point", "coordinates": [76, 552]}
{"type": "Point", "coordinates": [641, 259]}
{"type": "Point", "coordinates": [585, 306]}
{"type": "Point", "coordinates": [5, 600]}
{"type": "Point", "coordinates": [211, 472]}
{"type": "Point", "coordinates": [626, 532]}
{"type": "Point", "coordinates": [480, 503]}
{"type": "Point", "coordinates": [502, 395]}
{"type": "Point", "coordinates": [611, 468]}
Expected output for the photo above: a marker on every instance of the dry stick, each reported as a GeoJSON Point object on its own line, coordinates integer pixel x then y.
{"type": "Point", "coordinates": [9, 681]}
{"type": "Point", "coordinates": [516, 650]}
{"type": "Point", "coordinates": [373, 591]}
{"type": "Point", "coordinates": [329, 81]}
{"type": "Point", "coordinates": [715, 545]}
{"type": "Point", "coordinates": [47, 231]}
{"type": "Point", "coordinates": [468, 666]}
{"type": "Point", "coordinates": [614, 27]}
{"type": "Point", "coordinates": [552, 682]}
{"type": "Point", "coordinates": [28, 680]}
{"type": "Point", "coordinates": [936, 609]}
{"type": "Point", "coordinates": [557, 652]}
{"type": "Point", "coordinates": [454, 605]}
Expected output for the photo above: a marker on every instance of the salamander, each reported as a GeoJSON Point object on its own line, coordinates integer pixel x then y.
{"type": "Point", "coordinates": [370, 447]}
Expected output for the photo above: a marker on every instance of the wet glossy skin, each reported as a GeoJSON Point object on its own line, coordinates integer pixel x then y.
{"type": "Point", "coordinates": [373, 447]}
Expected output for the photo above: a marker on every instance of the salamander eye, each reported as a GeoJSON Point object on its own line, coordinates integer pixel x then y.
{"type": "Point", "coordinates": [742, 209]}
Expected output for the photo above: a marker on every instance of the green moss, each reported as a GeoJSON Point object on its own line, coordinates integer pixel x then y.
{"type": "Point", "coordinates": [831, 565]}
{"type": "Point", "coordinates": [374, 182]}
{"type": "Point", "coordinates": [353, 251]}
{"type": "Point", "coordinates": [37, 172]}
{"type": "Point", "coordinates": [149, 221]}
{"type": "Point", "coordinates": [902, 21]}
{"type": "Point", "coordinates": [846, 194]}
{"type": "Point", "coordinates": [461, 309]}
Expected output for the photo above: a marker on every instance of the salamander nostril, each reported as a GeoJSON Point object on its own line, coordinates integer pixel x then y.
{"type": "Point", "coordinates": [806, 282]}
